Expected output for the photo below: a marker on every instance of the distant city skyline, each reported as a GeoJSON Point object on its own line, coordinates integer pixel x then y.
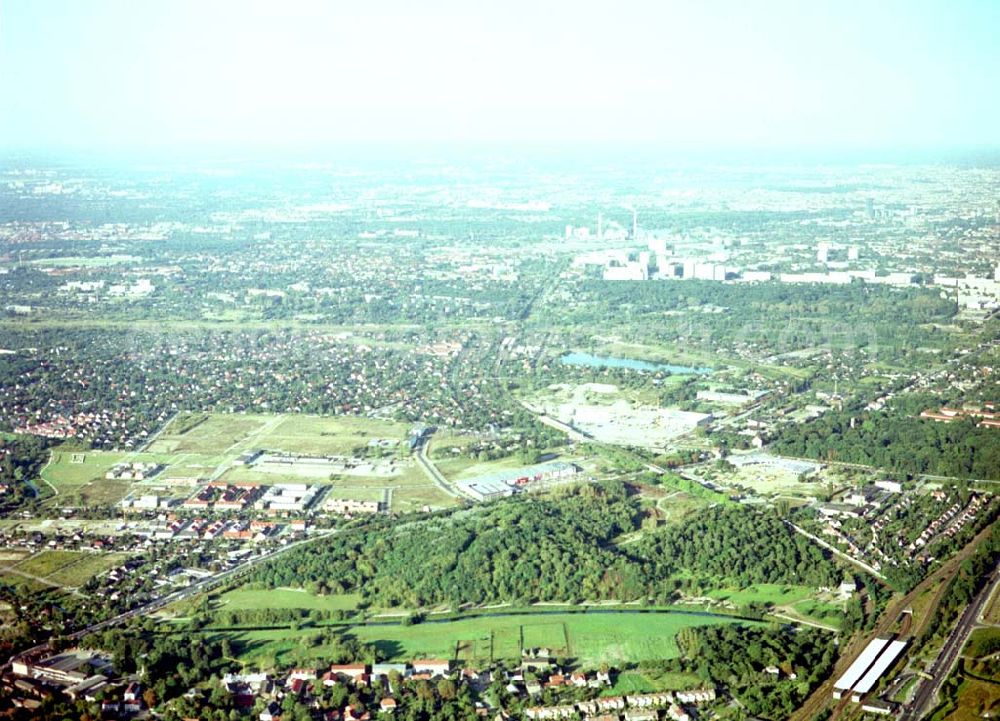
{"type": "Point", "coordinates": [156, 75]}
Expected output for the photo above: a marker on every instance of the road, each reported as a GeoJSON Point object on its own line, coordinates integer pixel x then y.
{"type": "Point", "coordinates": [926, 694]}
{"type": "Point", "coordinates": [836, 551]}
{"type": "Point", "coordinates": [428, 467]}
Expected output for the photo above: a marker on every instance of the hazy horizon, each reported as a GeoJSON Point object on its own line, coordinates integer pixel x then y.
{"type": "Point", "coordinates": [676, 77]}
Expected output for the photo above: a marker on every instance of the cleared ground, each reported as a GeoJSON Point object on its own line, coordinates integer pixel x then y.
{"type": "Point", "coordinates": [635, 682]}
{"type": "Point", "coordinates": [215, 434]}
{"type": "Point", "coordinates": [611, 415]}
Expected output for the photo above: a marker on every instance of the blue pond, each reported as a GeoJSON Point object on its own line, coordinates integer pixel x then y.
{"type": "Point", "coordinates": [596, 361]}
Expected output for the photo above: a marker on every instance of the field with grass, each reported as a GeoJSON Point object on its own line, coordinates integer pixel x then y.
{"type": "Point", "coordinates": [414, 498]}
{"type": "Point", "coordinates": [592, 639]}
{"type": "Point", "coordinates": [81, 262]}
{"type": "Point", "coordinates": [77, 573]}
{"type": "Point", "coordinates": [819, 611]}
{"type": "Point", "coordinates": [673, 506]}
{"type": "Point", "coordinates": [630, 682]}
{"type": "Point", "coordinates": [992, 612]}
{"type": "Point", "coordinates": [973, 700]}
{"type": "Point", "coordinates": [69, 569]}
{"type": "Point", "coordinates": [251, 599]}
{"type": "Point", "coordinates": [204, 446]}
{"type": "Point", "coordinates": [211, 434]}
{"type": "Point", "coordinates": [330, 435]}
{"type": "Point", "coordinates": [78, 478]}
{"type": "Point", "coordinates": [765, 593]}
{"type": "Point", "coordinates": [982, 642]}
{"type": "Point", "coordinates": [769, 481]}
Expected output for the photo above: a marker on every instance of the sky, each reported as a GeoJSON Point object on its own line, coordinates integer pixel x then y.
{"type": "Point", "coordinates": [91, 74]}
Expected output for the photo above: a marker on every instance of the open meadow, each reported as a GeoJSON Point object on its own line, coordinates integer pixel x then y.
{"type": "Point", "coordinates": [616, 638]}
{"type": "Point", "coordinates": [66, 569]}
{"type": "Point", "coordinates": [245, 599]}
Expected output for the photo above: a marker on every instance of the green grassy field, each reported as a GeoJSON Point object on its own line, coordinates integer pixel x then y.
{"type": "Point", "coordinates": [59, 568]}
{"type": "Point", "coordinates": [79, 261]}
{"type": "Point", "coordinates": [82, 570]}
{"type": "Point", "coordinates": [414, 498]}
{"type": "Point", "coordinates": [765, 593]}
{"type": "Point", "coordinates": [249, 599]}
{"type": "Point", "coordinates": [630, 682]}
{"type": "Point", "coordinates": [46, 563]}
{"type": "Point", "coordinates": [992, 613]}
{"type": "Point", "coordinates": [766, 480]}
{"type": "Point", "coordinates": [330, 435]}
{"type": "Point", "coordinates": [813, 610]}
{"type": "Point", "coordinates": [675, 505]}
{"type": "Point", "coordinates": [973, 700]}
{"type": "Point", "coordinates": [981, 641]}
{"type": "Point", "coordinates": [197, 445]}
{"type": "Point", "coordinates": [216, 434]}
{"type": "Point", "coordinates": [614, 638]}
{"type": "Point", "coordinates": [84, 484]}
{"type": "Point", "coordinates": [63, 472]}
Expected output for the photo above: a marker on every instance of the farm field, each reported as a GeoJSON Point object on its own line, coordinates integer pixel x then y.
{"type": "Point", "coordinates": [675, 505]}
{"type": "Point", "coordinates": [972, 700]}
{"type": "Point", "coordinates": [770, 481]}
{"type": "Point", "coordinates": [47, 562]}
{"type": "Point", "coordinates": [464, 468]}
{"type": "Point", "coordinates": [414, 498]}
{"type": "Point", "coordinates": [82, 262]}
{"type": "Point", "coordinates": [204, 446]}
{"type": "Point", "coordinates": [819, 611]}
{"type": "Point", "coordinates": [632, 682]}
{"type": "Point", "coordinates": [77, 573]}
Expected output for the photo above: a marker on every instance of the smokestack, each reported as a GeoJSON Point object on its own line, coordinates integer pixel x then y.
{"type": "Point", "coordinates": [600, 227]}
{"type": "Point", "coordinates": [635, 224]}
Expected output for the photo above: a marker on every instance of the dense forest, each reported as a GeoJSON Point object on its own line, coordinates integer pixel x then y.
{"type": "Point", "coordinates": [901, 443]}
{"type": "Point", "coordinates": [735, 656]}
{"type": "Point", "coordinates": [738, 545]}
{"type": "Point", "coordinates": [555, 549]}
{"type": "Point", "coordinates": [21, 458]}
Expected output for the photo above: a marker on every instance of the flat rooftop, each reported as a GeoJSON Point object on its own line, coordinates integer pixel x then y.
{"type": "Point", "coordinates": [861, 664]}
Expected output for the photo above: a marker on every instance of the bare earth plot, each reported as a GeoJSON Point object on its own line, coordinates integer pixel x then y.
{"type": "Point", "coordinates": [607, 414]}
